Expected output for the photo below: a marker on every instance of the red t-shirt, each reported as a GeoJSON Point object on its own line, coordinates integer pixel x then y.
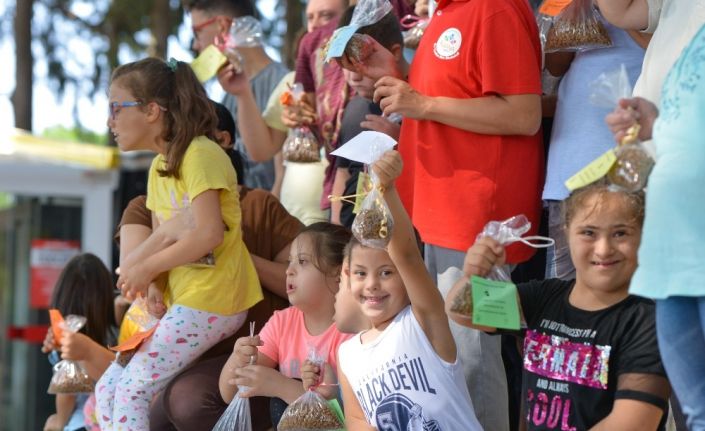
{"type": "Point", "coordinates": [455, 181]}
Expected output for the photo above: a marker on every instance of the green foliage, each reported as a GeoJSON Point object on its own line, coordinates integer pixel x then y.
{"type": "Point", "coordinates": [6, 201]}
{"type": "Point", "coordinates": [75, 134]}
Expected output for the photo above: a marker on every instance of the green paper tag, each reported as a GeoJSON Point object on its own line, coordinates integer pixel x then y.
{"type": "Point", "coordinates": [494, 303]}
{"type": "Point", "coordinates": [206, 65]}
{"type": "Point", "coordinates": [364, 185]}
{"type": "Point", "coordinates": [335, 406]}
{"type": "Point", "coordinates": [597, 169]}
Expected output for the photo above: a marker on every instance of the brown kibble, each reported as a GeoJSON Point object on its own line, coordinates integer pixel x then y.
{"type": "Point", "coordinates": [70, 378]}
{"type": "Point", "coordinates": [371, 224]}
{"type": "Point", "coordinates": [573, 35]}
{"type": "Point", "coordinates": [631, 170]}
{"type": "Point", "coordinates": [462, 304]}
{"type": "Point", "coordinates": [309, 416]}
{"type": "Point", "coordinates": [123, 358]}
{"type": "Point", "coordinates": [358, 48]}
{"type": "Point", "coordinates": [301, 148]}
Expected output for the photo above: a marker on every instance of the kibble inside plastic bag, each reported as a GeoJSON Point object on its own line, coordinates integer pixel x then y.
{"type": "Point", "coordinates": [367, 12]}
{"type": "Point", "coordinates": [631, 170]}
{"type": "Point", "coordinates": [504, 232]}
{"type": "Point", "coordinates": [310, 412]}
{"type": "Point", "coordinates": [69, 376]}
{"type": "Point", "coordinates": [301, 146]}
{"type": "Point", "coordinates": [373, 224]}
{"type": "Point", "coordinates": [577, 28]}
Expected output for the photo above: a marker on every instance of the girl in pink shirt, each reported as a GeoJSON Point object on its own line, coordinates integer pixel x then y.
{"type": "Point", "coordinates": [269, 364]}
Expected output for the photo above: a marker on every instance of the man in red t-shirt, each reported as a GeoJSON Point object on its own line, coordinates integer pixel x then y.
{"type": "Point", "coordinates": [471, 148]}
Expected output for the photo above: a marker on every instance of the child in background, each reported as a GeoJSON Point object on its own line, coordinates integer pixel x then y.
{"type": "Point", "coordinates": [591, 360]}
{"type": "Point", "coordinates": [361, 113]}
{"type": "Point", "coordinates": [84, 288]}
{"type": "Point", "coordinates": [162, 107]}
{"type": "Point", "coordinates": [404, 371]}
{"type": "Point", "coordinates": [283, 343]}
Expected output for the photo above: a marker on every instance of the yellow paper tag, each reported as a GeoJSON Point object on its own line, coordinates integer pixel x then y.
{"type": "Point", "coordinates": [364, 185]}
{"type": "Point", "coordinates": [553, 7]}
{"type": "Point", "coordinates": [206, 65]}
{"type": "Point", "coordinates": [597, 169]}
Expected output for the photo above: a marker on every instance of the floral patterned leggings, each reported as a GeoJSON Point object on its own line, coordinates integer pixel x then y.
{"type": "Point", "coordinates": [123, 394]}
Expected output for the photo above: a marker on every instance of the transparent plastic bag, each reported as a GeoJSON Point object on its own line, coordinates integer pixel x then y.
{"type": "Point", "coordinates": [310, 412]}
{"type": "Point", "coordinates": [373, 224]}
{"type": "Point", "coordinates": [301, 145]}
{"type": "Point", "coordinates": [359, 47]}
{"type": "Point", "coordinates": [577, 28]}
{"type": "Point", "coordinates": [237, 416]}
{"type": "Point", "coordinates": [631, 170]}
{"type": "Point", "coordinates": [139, 315]}
{"type": "Point", "coordinates": [245, 32]}
{"type": "Point", "coordinates": [414, 30]}
{"type": "Point", "coordinates": [69, 376]}
{"type": "Point", "coordinates": [504, 232]}
{"type": "Point", "coordinates": [368, 12]}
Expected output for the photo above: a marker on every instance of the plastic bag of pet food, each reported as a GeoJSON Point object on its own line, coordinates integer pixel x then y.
{"type": "Point", "coordinates": [373, 223]}
{"type": "Point", "coordinates": [577, 28]}
{"type": "Point", "coordinates": [143, 325]}
{"type": "Point", "coordinates": [310, 412]}
{"type": "Point", "coordinates": [633, 164]}
{"type": "Point", "coordinates": [69, 376]}
{"type": "Point", "coordinates": [301, 145]}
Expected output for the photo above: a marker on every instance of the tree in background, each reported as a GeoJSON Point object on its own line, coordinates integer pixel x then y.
{"type": "Point", "coordinates": [49, 29]}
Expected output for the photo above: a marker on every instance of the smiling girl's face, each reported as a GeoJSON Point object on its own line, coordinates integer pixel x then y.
{"type": "Point", "coordinates": [376, 285]}
{"type": "Point", "coordinates": [604, 236]}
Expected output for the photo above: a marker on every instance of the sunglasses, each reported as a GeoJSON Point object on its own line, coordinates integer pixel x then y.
{"type": "Point", "coordinates": [115, 107]}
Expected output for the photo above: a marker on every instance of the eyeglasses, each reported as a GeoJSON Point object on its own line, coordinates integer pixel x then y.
{"type": "Point", "coordinates": [198, 27]}
{"type": "Point", "coordinates": [204, 24]}
{"type": "Point", "coordinates": [115, 107]}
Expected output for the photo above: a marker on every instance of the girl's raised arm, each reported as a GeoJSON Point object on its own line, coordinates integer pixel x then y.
{"type": "Point", "coordinates": [426, 301]}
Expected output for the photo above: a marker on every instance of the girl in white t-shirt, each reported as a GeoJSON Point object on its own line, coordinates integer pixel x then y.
{"type": "Point", "coordinates": [404, 372]}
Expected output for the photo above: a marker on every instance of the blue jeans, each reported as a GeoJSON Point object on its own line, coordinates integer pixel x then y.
{"type": "Point", "coordinates": [680, 323]}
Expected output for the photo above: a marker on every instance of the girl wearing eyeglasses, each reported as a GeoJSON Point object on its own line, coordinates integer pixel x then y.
{"type": "Point", "coordinates": [208, 279]}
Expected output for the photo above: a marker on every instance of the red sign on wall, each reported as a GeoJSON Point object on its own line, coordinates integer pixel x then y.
{"type": "Point", "coordinates": [47, 259]}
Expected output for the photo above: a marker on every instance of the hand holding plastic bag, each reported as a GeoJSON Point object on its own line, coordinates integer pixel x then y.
{"type": "Point", "coordinates": [138, 314]}
{"type": "Point", "coordinates": [577, 28]}
{"type": "Point", "coordinates": [631, 170]}
{"type": "Point", "coordinates": [310, 412]}
{"type": "Point", "coordinates": [505, 232]}
{"type": "Point", "coordinates": [245, 32]}
{"type": "Point", "coordinates": [237, 416]}
{"type": "Point", "coordinates": [373, 224]}
{"type": "Point", "coordinates": [301, 145]}
{"type": "Point", "coordinates": [69, 376]}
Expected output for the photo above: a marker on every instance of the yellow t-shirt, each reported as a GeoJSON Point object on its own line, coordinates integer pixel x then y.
{"type": "Point", "coordinates": [231, 284]}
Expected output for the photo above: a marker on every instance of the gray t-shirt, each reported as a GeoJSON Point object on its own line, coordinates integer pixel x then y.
{"type": "Point", "coordinates": [257, 175]}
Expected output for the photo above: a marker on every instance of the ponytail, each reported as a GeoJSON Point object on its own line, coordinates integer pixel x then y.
{"type": "Point", "coordinates": [174, 87]}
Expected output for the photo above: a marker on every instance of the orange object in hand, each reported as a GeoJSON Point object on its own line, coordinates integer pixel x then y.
{"type": "Point", "coordinates": [57, 322]}
{"type": "Point", "coordinates": [286, 99]}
